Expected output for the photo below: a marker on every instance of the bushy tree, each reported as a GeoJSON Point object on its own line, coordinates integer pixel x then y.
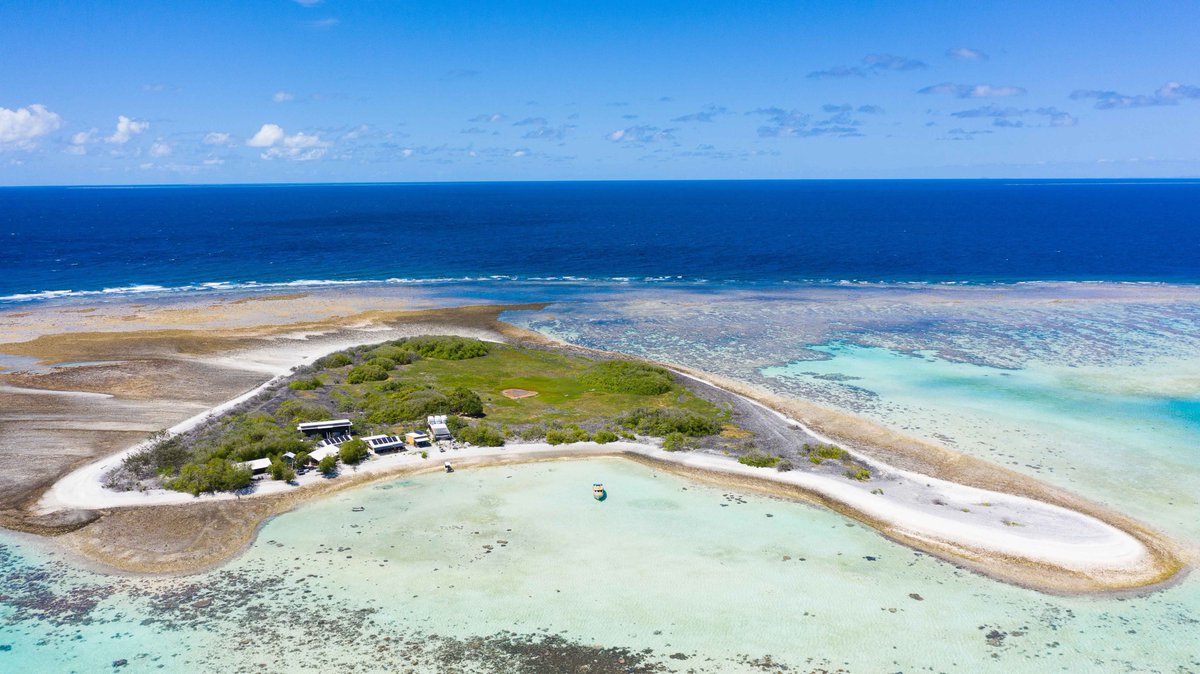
{"type": "Point", "coordinates": [366, 372]}
{"type": "Point", "coordinates": [334, 360]}
{"type": "Point", "coordinates": [445, 348]}
{"type": "Point", "coordinates": [328, 465]}
{"type": "Point", "coordinates": [663, 422]}
{"type": "Point", "coordinates": [466, 402]}
{"type": "Point", "coordinates": [354, 451]}
{"type": "Point", "coordinates": [483, 435]}
{"type": "Point", "coordinates": [281, 471]}
{"type": "Point", "coordinates": [604, 437]}
{"type": "Point", "coordinates": [213, 476]}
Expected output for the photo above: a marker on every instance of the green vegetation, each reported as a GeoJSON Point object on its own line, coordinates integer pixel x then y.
{"type": "Point", "coordinates": [215, 475]}
{"type": "Point", "coordinates": [678, 442]}
{"type": "Point", "coordinates": [826, 451]}
{"type": "Point", "coordinates": [353, 452]}
{"type": "Point", "coordinates": [309, 384]}
{"type": "Point", "coordinates": [567, 435]}
{"type": "Point", "coordinates": [281, 471]}
{"type": "Point", "coordinates": [784, 466]}
{"type": "Point", "coordinates": [392, 387]}
{"type": "Point", "coordinates": [758, 460]}
{"type": "Point", "coordinates": [860, 474]}
{"type": "Point", "coordinates": [446, 348]}
{"type": "Point", "coordinates": [604, 437]}
{"type": "Point", "coordinates": [624, 376]}
{"type": "Point", "coordinates": [335, 360]}
{"type": "Point", "coordinates": [366, 372]}
{"type": "Point", "coordinates": [665, 421]}
{"type": "Point", "coordinates": [328, 465]}
{"type": "Point", "coordinates": [483, 435]}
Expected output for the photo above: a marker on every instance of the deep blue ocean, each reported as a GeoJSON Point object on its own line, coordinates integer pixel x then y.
{"type": "Point", "coordinates": [735, 232]}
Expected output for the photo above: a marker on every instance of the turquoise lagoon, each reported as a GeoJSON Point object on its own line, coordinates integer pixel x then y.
{"type": "Point", "coordinates": [519, 569]}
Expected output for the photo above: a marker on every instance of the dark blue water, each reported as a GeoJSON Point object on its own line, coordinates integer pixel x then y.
{"type": "Point", "coordinates": [739, 232]}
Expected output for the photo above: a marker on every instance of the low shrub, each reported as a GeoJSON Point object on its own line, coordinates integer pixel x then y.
{"type": "Point", "coordinates": [663, 422]}
{"type": "Point", "coordinates": [383, 363]}
{"type": "Point", "coordinates": [677, 442]}
{"type": "Point", "coordinates": [335, 360]}
{"type": "Point", "coordinates": [860, 474]}
{"type": "Point", "coordinates": [309, 384]}
{"type": "Point", "coordinates": [784, 466]}
{"type": "Point", "coordinates": [483, 435]}
{"type": "Point", "coordinates": [604, 437]}
{"type": "Point", "coordinates": [758, 460]}
{"type": "Point", "coordinates": [366, 372]}
{"type": "Point", "coordinates": [827, 451]}
{"type": "Point", "coordinates": [445, 348]}
{"type": "Point", "coordinates": [626, 376]}
{"type": "Point", "coordinates": [566, 435]}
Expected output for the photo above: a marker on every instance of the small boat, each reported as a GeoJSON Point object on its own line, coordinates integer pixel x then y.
{"type": "Point", "coordinates": [448, 467]}
{"type": "Point", "coordinates": [598, 492]}
{"type": "Point", "coordinates": [357, 509]}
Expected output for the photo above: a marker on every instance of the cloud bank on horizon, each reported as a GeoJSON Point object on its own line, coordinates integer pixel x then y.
{"type": "Point", "coordinates": [333, 90]}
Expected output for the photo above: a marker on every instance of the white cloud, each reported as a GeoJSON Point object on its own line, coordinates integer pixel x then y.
{"type": "Point", "coordinates": [300, 147]}
{"type": "Point", "coordinates": [216, 138]}
{"type": "Point", "coordinates": [75, 150]}
{"type": "Point", "coordinates": [84, 137]}
{"type": "Point", "coordinates": [213, 161]}
{"type": "Point", "coordinates": [267, 136]}
{"type": "Point", "coordinates": [972, 90]}
{"type": "Point", "coordinates": [283, 96]}
{"type": "Point", "coordinates": [126, 128]}
{"type": "Point", "coordinates": [20, 128]}
{"type": "Point", "coordinates": [160, 149]}
{"type": "Point", "coordinates": [966, 54]}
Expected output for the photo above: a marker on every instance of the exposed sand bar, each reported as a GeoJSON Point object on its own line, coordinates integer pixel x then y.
{"type": "Point", "coordinates": [1055, 546]}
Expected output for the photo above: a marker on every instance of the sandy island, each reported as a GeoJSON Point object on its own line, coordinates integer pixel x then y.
{"type": "Point", "coordinates": [967, 511]}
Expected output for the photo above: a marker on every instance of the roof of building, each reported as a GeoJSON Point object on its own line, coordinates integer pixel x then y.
{"type": "Point", "coordinates": [258, 464]}
{"type": "Point", "coordinates": [328, 425]}
{"type": "Point", "coordinates": [383, 441]}
{"type": "Point", "coordinates": [322, 452]}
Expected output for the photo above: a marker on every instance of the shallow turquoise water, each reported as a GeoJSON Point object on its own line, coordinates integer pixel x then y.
{"type": "Point", "coordinates": [665, 564]}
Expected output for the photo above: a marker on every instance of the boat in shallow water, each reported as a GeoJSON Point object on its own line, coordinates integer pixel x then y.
{"type": "Point", "coordinates": [598, 492]}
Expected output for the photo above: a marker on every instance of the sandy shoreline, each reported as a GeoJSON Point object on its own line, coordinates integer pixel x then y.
{"type": "Point", "coordinates": [1058, 548]}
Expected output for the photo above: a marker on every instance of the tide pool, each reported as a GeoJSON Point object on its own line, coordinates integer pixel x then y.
{"type": "Point", "coordinates": [519, 569]}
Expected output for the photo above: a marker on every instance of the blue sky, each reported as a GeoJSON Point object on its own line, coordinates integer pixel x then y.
{"type": "Point", "coordinates": [339, 90]}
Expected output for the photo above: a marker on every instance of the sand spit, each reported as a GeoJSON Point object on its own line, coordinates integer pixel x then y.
{"type": "Point", "coordinates": [1054, 541]}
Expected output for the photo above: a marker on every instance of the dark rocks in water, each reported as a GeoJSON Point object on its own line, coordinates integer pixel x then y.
{"type": "Point", "coordinates": [870, 558]}
{"type": "Point", "coordinates": [916, 596]}
{"type": "Point", "coordinates": [5, 647]}
{"type": "Point", "coordinates": [203, 603]}
{"type": "Point", "coordinates": [995, 638]}
{"type": "Point", "coordinates": [678, 656]}
{"type": "Point", "coordinates": [120, 663]}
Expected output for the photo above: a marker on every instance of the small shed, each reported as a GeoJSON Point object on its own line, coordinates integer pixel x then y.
{"type": "Point", "coordinates": [415, 439]}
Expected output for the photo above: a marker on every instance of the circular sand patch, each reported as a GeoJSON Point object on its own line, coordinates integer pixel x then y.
{"type": "Point", "coordinates": [518, 393]}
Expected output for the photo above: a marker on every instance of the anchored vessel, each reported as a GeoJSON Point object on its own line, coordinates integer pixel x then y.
{"type": "Point", "coordinates": [598, 492]}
